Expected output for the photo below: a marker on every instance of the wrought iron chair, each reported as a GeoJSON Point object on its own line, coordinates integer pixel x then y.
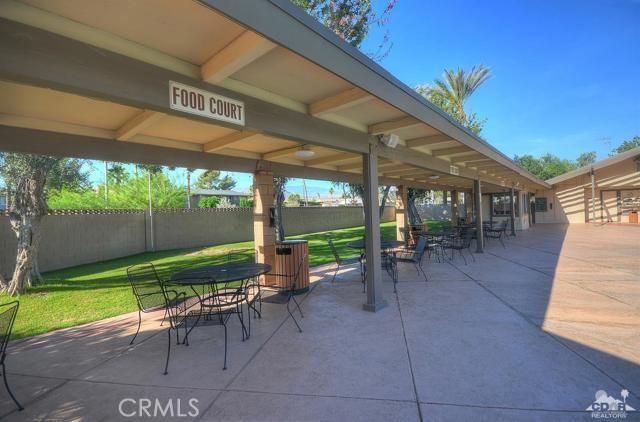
{"type": "Point", "coordinates": [460, 242]}
{"type": "Point", "coordinates": [415, 255]}
{"type": "Point", "coordinates": [8, 313]}
{"type": "Point", "coordinates": [497, 233]}
{"type": "Point", "coordinates": [147, 292]}
{"type": "Point", "coordinates": [389, 261]}
{"type": "Point", "coordinates": [148, 288]}
{"type": "Point", "coordinates": [289, 287]}
{"type": "Point", "coordinates": [222, 301]}
{"type": "Point", "coordinates": [339, 260]}
{"type": "Point", "coordinates": [253, 293]}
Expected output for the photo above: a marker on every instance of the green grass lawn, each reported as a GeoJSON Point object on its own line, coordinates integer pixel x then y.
{"type": "Point", "coordinates": [92, 292]}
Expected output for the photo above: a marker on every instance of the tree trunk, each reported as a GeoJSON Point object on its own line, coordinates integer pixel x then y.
{"type": "Point", "coordinates": [188, 189]}
{"type": "Point", "coordinates": [27, 206]}
{"type": "Point", "coordinates": [383, 202]}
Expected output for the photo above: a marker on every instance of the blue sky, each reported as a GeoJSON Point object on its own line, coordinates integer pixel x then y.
{"type": "Point", "coordinates": [566, 73]}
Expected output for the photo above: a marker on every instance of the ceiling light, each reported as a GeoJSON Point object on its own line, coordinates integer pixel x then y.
{"type": "Point", "coordinates": [305, 153]}
{"type": "Point", "coordinates": [434, 177]}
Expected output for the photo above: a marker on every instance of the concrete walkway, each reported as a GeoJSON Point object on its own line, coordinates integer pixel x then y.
{"type": "Point", "coordinates": [529, 332]}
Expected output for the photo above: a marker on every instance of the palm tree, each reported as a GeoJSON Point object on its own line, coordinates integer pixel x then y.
{"type": "Point", "coordinates": [458, 86]}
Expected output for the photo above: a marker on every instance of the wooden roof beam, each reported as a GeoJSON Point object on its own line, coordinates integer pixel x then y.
{"type": "Point", "coordinates": [243, 50]}
{"type": "Point", "coordinates": [450, 151]}
{"type": "Point", "coordinates": [329, 159]}
{"type": "Point", "coordinates": [227, 140]}
{"type": "Point", "coordinates": [282, 152]}
{"type": "Point", "coordinates": [391, 125]}
{"type": "Point", "coordinates": [427, 140]}
{"type": "Point", "coordinates": [340, 101]}
{"type": "Point", "coordinates": [137, 124]}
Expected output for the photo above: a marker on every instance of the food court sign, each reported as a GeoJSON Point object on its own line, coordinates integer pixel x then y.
{"type": "Point", "coordinates": [197, 101]}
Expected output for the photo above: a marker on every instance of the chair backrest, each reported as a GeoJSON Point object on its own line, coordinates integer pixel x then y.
{"type": "Point", "coordinates": [334, 251]}
{"type": "Point", "coordinates": [421, 246]}
{"type": "Point", "coordinates": [146, 286]}
{"type": "Point", "coordinates": [467, 235]}
{"type": "Point", "coordinates": [8, 313]}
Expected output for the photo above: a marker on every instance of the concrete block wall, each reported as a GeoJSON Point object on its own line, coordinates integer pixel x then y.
{"type": "Point", "coordinates": [76, 238]}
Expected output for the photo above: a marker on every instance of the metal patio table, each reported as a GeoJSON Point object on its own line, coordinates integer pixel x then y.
{"type": "Point", "coordinates": [384, 244]}
{"type": "Point", "coordinates": [212, 282]}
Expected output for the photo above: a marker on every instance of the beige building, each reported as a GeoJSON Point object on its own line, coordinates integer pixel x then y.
{"type": "Point", "coordinates": [613, 183]}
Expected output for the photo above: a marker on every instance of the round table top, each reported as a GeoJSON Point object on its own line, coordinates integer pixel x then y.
{"type": "Point", "coordinates": [223, 273]}
{"type": "Point", "coordinates": [384, 244]}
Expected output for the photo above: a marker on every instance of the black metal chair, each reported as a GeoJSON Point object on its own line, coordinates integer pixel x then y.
{"type": "Point", "coordinates": [339, 260]}
{"type": "Point", "coordinates": [8, 313]}
{"type": "Point", "coordinates": [147, 291]}
{"type": "Point", "coordinates": [389, 263]}
{"type": "Point", "coordinates": [415, 255]}
{"type": "Point", "coordinates": [289, 287]}
{"type": "Point", "coordinates": [497, 233]}
{"type": "Point", "coordinates": [253, 294]}
{"type": "Point", "coordinates": [460, 242]}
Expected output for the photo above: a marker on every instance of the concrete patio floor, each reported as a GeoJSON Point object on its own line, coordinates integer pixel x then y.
{"type": "Point", "coordinates": [529, 332]}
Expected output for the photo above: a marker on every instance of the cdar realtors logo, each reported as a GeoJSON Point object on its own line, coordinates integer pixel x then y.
{"type": "Point", "coordinates": [608, 407]}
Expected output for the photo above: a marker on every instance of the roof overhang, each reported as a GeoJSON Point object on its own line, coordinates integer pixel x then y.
{"type": "Point", "coordinates": [301, 86]}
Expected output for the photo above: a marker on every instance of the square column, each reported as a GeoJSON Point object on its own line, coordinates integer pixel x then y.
{"type": "Point", "coordinates": [455, 212]}
{"type": "Point", "coordinates": [402, 220]}
{"type": "Point", "coordinates": [477, 196]}
{"type": "Point", "coordinates": [264, 234]}
{"type": "Point", "coordinates": [375, 302]}
{"type": "Point", "coordinates": [513, 212]}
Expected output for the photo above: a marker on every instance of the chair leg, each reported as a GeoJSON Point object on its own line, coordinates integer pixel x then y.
{"type": "Point", "coordinates": [462, 255]}
{"type": "Point", "coordinates": [500, 238]}
{"type": "Point", "coordinates": [335, 273]}
{"type": "Point", "coordinates": [224, 368]}
{"type": "Point", "coordinates": [291, 313]}
{"type": "Point", "coordinates": [6, 384]}
{"type": "Point", "coordinates": [166, 365]}
{"type": "Point", "coordinates": [166, 312]}
{"type": "Point", "coordinates": [138, 330]}
{"type": "Point", "coordinates": [471, 254]}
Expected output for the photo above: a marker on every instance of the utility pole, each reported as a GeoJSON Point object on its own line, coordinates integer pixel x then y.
{"type": "Point", "coordinates": [306, 197]}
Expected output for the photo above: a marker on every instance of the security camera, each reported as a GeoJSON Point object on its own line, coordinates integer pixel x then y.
{"type": "Point", "coordinates": [390, 139]}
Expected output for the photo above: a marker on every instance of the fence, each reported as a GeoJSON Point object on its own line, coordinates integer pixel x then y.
{"type": "Point", "coordinates": [75, 237]}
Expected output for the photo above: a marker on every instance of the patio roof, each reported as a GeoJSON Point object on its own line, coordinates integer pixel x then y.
{"type": "Point", "coordinates": [82, 69]}
{"type": "Point", "coordinates": [634, 152]}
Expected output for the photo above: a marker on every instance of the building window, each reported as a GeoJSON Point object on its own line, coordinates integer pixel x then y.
{"type": "Point", "coordinates": [501, 205]}
{"type": "Point", "coordinates": [541, 204]}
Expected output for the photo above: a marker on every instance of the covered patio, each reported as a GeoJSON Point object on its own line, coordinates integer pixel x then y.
{"type": "Point", "coordinates": [264, 90]}
{"type": "Point", "coordinates": [529, 332]}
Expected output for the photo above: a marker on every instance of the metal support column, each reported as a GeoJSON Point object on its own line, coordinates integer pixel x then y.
{"type": "Point", "coordinates": [513, 212]}
{"type": "Point", "coordinates": [593, 196]}
{"type": "Point", "coordinates": [477, 196]}
{"type": "Point", "coordinates": [375, 302]}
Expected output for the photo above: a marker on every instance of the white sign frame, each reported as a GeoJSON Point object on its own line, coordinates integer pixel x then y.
{"type": "Point", "coordinates": [197, 101]}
